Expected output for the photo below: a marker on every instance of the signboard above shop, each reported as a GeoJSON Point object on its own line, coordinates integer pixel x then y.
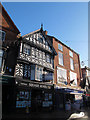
{"type": "Point", "coordinates": [34, 84]}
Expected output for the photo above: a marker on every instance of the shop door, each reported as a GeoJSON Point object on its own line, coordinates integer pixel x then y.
{"type": "Point", "coordinates": [59, 101]}
{"type": "Point", "coordinates": [36, 100]}
{"type": "Point", "coordinates": [6, 99]}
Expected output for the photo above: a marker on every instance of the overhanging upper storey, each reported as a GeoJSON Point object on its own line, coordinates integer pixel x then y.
{"type": "Point", "coordinates": [35, 48]}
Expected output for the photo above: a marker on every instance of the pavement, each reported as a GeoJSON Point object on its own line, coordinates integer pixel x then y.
{"type": "Point", "coordinates": [60, 114]}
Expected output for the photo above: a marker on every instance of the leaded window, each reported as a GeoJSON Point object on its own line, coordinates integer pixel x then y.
{"type": "Point", "coordinates": [26, 71]}
{"type": "Point", "coordinates": [48, 59]}
{"type": "Point", "coordinates": [26, 49]}
{"type": "Point", "coordinates": [39, 75]}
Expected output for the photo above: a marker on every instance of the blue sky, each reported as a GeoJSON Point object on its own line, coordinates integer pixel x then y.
{"type": "Point", "coordinates": [67, 21]}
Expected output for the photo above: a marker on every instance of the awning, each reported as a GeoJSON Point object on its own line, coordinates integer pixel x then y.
{"type": "Point", "coordinates": [70, 91]}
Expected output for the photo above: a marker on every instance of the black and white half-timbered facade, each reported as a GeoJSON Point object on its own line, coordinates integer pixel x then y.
{"type": "Point", "coordinates": [34, 72]}
{"type": "Point", "coordinates": [36, 58]}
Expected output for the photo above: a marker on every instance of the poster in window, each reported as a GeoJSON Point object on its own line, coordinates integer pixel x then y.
{"type": "Point", "coordinates": [50, 96]}
{"type": "Point", "coordinates": [46, 96]}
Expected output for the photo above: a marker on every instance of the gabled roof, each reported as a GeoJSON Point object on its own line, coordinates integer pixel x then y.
{"type": "Point", "coordinates": [10, 20]}
{"type": "Point", "coordinates": [31, 33]}
{"type": "Point", "coordinates": [44, 35]}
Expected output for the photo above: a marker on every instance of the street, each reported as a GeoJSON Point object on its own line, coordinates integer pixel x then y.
{"type": "Point", "coordinates": [60, 114]}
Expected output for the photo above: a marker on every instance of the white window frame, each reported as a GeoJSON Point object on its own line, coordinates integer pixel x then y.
{"type": "Point", "coordinates": [60, 47]}
{"type": "Point", "coordinates": [39, 73]}
{"type": "Point", "coordinates": [71, 64]}
{"type": "Point", "coordinates": [26, 48]}
{"type": "Point", "coordinates": [70, 53]}
{"type": "Point", "coordinates": [61, 77]}
{"type": "Point", "coordinates": [73, 76]}
{"type": "Point", "coordinates": [60, 58]}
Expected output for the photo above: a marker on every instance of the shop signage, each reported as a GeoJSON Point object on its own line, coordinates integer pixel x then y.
{"type": "Point", "coordinates": [39, 86]}
{"type": "Point", "coordinates": [35, 85]}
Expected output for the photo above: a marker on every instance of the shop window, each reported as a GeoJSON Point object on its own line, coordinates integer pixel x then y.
{"type": "Point", "coordinates": [60, 58]}
{"type": "Point", "coordinates": [23, 99]}
{"type": "Point", "coordinates": [26, 71]}
{"type": "Point", "coordinates": [2, 35]}
{"type": "Point", "coordinates": [47, 102]}
{"type": "Point", "coordinates": [71, 64]}
{"type": "Point", "coordinates": [60, 47]}
{"type": "Point", "coordinates": [26, 49]}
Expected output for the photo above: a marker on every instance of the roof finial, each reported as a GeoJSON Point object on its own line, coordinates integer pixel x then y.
{"type": "Point", "coordinates": [41, 26]}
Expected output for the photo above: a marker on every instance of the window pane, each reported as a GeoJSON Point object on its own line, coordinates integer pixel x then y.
{"type": "Point", "coordinates": [39, 75]}
{"type": "Point", "coordinates": [60, 58]}
{"type": "Point", "coordinates": [26, 49]}
{"type": "Point", "coordinates": [71, 64]}
{"type": "Point", "coordinates": [71, 53]}
{"type": "Point", "coordinates": [60, 47]}
{"type": "Point", "coordinates": [2, 35]}
{"type": "Point", "coordinates": [48, 58]}
{"type": "Point", "coordinates": [61, 75]}
{"type": "Point", "coordinates": [26, 71]}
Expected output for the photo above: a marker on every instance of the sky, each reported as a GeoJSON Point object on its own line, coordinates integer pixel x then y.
{"type": "Point", "coordinates": [67, 21]}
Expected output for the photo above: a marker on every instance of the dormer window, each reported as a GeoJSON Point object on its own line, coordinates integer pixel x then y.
{"type": "Point", "coordinates": [2, 35]}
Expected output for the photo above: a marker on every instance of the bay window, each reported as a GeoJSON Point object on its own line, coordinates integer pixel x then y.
{"type": "Point", "coordinates": [26, 71]}
{"type": "Point", "coordinates": [39, 75]}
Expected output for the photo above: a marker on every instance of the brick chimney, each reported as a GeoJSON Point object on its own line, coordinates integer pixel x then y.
{"type": "Point", "coordinates": [46, 32]}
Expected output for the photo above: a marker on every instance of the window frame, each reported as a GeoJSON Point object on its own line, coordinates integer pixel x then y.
{"type": "Point", "coordinates": [4, 34]}
{"type": "Point", "coordinates": [48, 58]}
{"type": "Point", "coordinates": [28, 74]}
{"type": "Point", "coordinates": [70, 53]}
{"type": "Point", "coordinates": [60, 47]}
{"type": "Point", "coordinates": [59, 56]}
{"type": "Point", "coordinates": [27, 49]}
{"type": "Point", "coordinates": [72, 64]}
{"type": "Point", "coordinates": [39, 73]}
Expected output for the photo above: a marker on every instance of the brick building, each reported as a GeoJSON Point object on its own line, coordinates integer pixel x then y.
{"type": "Point", "coordinates": [67, 73]}
{"type": "Point", "coordinates": [8, 52]}
{"type": "Point", "coordinates": [8, 36]}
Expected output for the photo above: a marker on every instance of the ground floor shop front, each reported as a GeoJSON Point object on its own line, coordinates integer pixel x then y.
{"type": "Point", "coordinates": [26, 97]}
{"type": "Point", "coordinates": [68, 99]}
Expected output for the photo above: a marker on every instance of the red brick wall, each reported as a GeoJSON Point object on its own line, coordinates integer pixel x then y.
{"type": "Point", "coordinates": [66, 59]}
{"type": "Point", "coordinates": [7, 25]}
